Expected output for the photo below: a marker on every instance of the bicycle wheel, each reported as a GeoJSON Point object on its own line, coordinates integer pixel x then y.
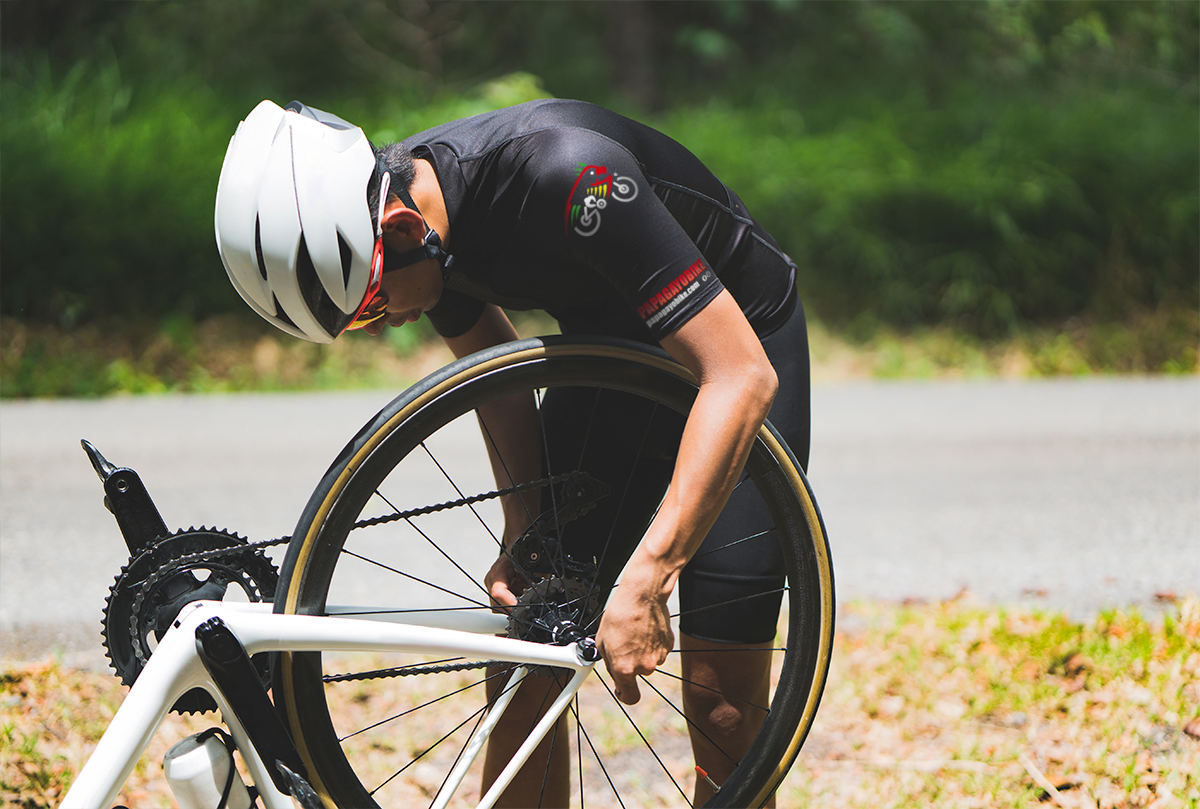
{"type": "Point", "coordinates": [387, 734]}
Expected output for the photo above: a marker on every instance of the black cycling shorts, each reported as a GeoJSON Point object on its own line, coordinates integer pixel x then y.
{"type": "Point", "coordinates": [728, 593]}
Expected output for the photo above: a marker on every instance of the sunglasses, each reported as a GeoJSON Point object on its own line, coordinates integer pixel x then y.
{"type": "Point", "coordinates": [374, 303]}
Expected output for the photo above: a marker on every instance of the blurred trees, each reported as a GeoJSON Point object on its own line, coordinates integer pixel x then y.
{"type": "Point", "coordinates": [990, 163]}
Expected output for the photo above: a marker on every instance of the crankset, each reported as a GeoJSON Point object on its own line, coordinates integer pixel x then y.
{"type": "Point", "coordinates": [168, 570]}
{"type": "Point", "coordinates": [165, 573]}
{"type": "Point", "coordinates": [173, 572]}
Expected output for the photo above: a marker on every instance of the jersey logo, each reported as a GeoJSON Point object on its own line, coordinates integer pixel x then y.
{"type": "Point", "coordinates": [593, 189]}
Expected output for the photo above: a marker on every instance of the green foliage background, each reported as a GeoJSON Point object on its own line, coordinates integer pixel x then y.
{"type": "Point", "coordinates": [993, 165]}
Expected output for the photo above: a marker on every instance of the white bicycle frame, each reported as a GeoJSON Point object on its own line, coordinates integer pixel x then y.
{"type": "Point", "coordinates": [176, 667]}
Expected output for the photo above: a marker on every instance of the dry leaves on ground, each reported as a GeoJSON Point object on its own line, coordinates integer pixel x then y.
{"type": "Point", "coordinates": [943, 706]}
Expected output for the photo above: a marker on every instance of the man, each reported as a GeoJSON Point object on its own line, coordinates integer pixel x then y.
{"type": "Point", "coordinates": [612, 228]}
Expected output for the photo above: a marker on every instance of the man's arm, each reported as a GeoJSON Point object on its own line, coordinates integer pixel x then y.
{"type": "Point", "coordinates": [737, 386]}
{"type": "Point", "coordinates": [510, 431]}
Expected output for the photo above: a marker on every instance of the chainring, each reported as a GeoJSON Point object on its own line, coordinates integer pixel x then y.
{"type": "Point", "coordinates": [190, 565]}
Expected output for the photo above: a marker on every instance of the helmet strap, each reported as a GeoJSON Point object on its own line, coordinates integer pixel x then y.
{"type": "Point", "coordinates": [432, 248]}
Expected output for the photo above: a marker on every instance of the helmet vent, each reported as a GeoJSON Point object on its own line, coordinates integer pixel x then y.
{"type": "Point", "coordinates": [262, 264]}
{"type": "Point", "coordinates": [331, 318]}
{"type": "Point", "coordinates": [347, 255]}
{"type": "Point", "coordinates": [281, 313]}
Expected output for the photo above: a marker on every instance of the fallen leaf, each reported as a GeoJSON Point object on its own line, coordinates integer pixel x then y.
{"type": "Point", "coordinates": [1077, 664]}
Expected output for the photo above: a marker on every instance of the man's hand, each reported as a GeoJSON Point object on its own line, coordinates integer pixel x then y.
{"type": "Point", "coordinates": [504, 582]}
{"type": "Point", "coordinates": [635, 633]}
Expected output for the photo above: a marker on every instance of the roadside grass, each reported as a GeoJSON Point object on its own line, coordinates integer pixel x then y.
{"type": "Point", "coordinates": [226, 353]}
{"type": "Point", "coordinates": [956, 705]}
{"type": "Point", "coordinates": [942, 705]}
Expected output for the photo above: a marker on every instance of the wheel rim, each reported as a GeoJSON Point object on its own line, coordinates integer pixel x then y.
{"type": "Point", "coordinates": [329, 746]}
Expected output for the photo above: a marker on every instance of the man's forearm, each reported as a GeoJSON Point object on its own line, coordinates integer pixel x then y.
{"type": "Point", "coordinates": [509, 426]}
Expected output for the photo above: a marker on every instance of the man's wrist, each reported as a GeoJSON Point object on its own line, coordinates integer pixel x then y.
{"type": "Point", "coordinates": [657, 573]}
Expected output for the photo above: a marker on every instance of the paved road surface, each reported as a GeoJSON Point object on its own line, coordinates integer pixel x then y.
{"type": "Point", "coordinates": [1079, 494]}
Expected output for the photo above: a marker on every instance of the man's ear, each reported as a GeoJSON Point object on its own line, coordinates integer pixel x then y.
{"type": "Point", "coordinates": [403, 227]}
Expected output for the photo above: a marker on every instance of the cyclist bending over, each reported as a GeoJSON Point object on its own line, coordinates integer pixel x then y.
{"type": "Point", "coordinates": [613, 229]}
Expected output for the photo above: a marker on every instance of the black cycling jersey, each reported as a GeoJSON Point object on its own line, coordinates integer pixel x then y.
{"type": "Point", "coordinates": [608, 225]}
{"type": "Point", "coordinates": [614, 228]}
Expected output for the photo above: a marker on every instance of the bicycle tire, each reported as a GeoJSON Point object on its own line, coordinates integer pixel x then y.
{"type": "Point", "coordinates": [409, 421]}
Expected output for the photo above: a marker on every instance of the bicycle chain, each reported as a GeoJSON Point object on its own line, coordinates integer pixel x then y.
{"type": "Point", "coordinates": [409, 671]}
{"type": "Point", "coordinates": [217, 553]}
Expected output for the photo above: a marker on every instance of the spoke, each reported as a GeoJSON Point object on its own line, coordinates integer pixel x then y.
{"type": "Point", "coordinates": [726, 651]}
{"type": "Point", "coordinates": [461, 495]}
{"type": "Point", "coordinates": [590, 421]}
{"type": "Point", "coordinates": [412, 611]}
{"type": "Point", "coordinates": [417, 579]}
{"type": "Point", "coordinates": [624, 494]}
{"type": "Point", "coordinates": [587, 432]}
{"type": "Point", "coordinates": [504, 465]}
{"type": "Point", "coordinates": [731, 601]}
{"type": "Point", "coordinates": [690, 723]}
{"type": "Point", "coordinates": [457, 758]}
{"type": "Point", "coordinates": [433, 746]}
{"type": "Point", "coordinates": [645, 741]}
{"type": "Point", "coordinates": [735, 542]}
{"type": "Point", "coordinates": [546, 460]}
{"type": "Point", "coordinates": [487, 434]}
{"type": "Point", "coordinates": [594, 624]}
{"type": "Point", "coordinates": [595, 754]}
{"type": "Point", "coordinates": [448, 558]}
{"type": "Point", "coordinates": [708, 688]}
{"type": "Point", "coordinates": [403, 714]}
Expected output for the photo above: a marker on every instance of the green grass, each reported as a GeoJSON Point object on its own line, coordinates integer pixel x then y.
{"type": "Point", "coordinates": [956, 704]}
{"type": "Point", "coordinates": [224, 354]}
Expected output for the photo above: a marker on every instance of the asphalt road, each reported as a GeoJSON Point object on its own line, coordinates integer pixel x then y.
{"type": "Point", "coordinates": [1074, 494]}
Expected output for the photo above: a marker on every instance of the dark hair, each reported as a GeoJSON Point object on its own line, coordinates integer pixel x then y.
{"type": "Point", "coordinates": [398, 162]}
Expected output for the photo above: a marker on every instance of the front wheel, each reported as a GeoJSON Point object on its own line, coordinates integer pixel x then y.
{"type": "Point", "coordinates": [406, 522]}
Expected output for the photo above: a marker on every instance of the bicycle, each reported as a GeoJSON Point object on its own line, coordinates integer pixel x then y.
{"type": "Point", "coordinates": [428, 667]}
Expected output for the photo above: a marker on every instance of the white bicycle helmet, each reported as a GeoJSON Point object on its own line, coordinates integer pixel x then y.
{"type": "Point", "coordinates": [292, 221]}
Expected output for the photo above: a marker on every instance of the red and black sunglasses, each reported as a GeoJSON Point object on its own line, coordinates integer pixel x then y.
{"type": "Point", "coordinates": [375, 301]}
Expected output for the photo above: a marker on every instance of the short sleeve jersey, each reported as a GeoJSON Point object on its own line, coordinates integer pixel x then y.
{"type": "Point", "coordinates": [608, 225]}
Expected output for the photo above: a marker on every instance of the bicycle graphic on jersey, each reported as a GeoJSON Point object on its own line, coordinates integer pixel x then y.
{"type": "Point", "coordinates": [598, 186]}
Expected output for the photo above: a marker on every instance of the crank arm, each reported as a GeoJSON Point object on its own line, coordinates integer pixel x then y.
{"type": "Point", "coordinates": [232, 672]}
{"type": "Point", "coordinates": [126, 497]}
